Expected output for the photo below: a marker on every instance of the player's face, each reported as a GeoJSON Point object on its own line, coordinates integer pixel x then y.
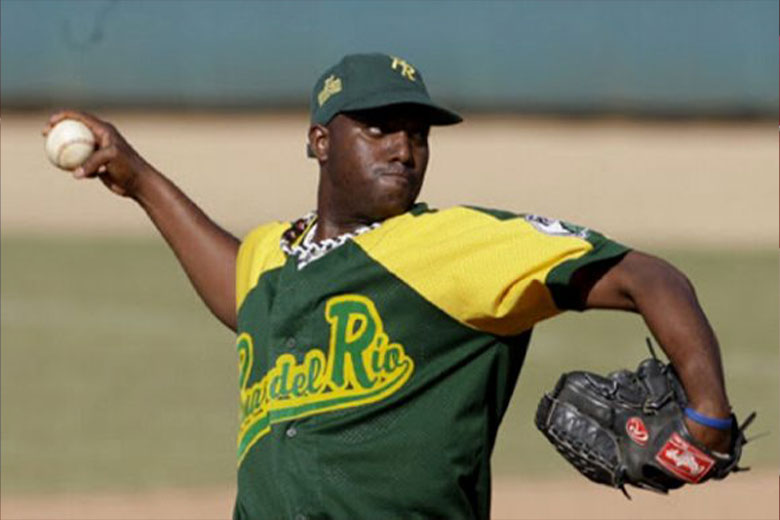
{"type": "Point", "coordinates": [377, 160]}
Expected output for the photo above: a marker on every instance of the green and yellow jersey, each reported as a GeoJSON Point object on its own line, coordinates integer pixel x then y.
{"type": "Point", "coordinates": [373, 380]}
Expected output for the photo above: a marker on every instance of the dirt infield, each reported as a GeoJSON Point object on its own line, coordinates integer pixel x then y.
{"type": "Point", "coordinates": [641, 182]}
{"type": "Point", "coordinates": [742, 497]}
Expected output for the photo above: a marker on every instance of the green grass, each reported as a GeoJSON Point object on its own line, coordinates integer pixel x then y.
{"type": "Point", "coordinates": [114, 375]}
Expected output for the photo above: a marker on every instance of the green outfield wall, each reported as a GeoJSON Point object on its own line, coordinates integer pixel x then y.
{"type": "Point", "coordinates": [640, 57]}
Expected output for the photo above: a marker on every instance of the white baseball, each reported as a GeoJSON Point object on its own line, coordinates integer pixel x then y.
{"type": "Point", "coordinates": [69, 144]}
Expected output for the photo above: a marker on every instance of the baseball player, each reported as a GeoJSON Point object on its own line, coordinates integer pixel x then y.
{"type": "Point", "coordinates": [379, 339]}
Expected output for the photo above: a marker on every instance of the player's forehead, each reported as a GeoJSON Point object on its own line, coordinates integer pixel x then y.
{"type": "Point", "coordinates": [406, 116]}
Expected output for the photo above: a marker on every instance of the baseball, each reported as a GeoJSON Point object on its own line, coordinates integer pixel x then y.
{"type": "Point", "coordinates": [69, 144]}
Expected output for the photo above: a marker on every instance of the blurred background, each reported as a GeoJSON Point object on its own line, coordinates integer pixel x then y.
{"type": "Point", "coordinates": [651, 121]}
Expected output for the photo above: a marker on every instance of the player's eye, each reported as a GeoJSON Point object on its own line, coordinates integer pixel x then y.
{"type": "Point", "coordinates": [419, 136]}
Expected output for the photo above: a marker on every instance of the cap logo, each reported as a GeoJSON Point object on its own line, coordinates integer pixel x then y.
{"type": "Point", "coordinates": [407, 70]}
{"type": "Point", "coordinates": [332, 86]}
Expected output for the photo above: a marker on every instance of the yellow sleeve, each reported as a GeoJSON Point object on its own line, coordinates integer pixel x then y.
{"type": "Point", "coordinates": [487, 269]}
{"type": "Point", "coordinates": [259, 252]}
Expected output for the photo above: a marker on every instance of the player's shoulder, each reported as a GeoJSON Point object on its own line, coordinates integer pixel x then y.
{"type": "Point", "coordinates": [259, 253]}
{"type": "Point", "coordinates": [260, 247]}
{"type": "Point", "coordinates": [458, 229]}
{"type": "Point", "coordinates": [265, 236]}
{"type": "Point", "coordinates": [461, 220]}
{"type": "Point", "coordinates": [423, 216]}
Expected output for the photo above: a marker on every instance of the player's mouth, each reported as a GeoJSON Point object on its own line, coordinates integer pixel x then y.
{"type": "Point", "coordinates": [402, 174]}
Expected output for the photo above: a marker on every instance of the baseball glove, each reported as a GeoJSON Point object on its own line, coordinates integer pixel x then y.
{"type": "Point", "coordinates": [628, 428]}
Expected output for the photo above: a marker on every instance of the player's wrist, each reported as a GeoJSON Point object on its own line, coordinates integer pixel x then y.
{"type": "Point", "coordinates": [144, 184]}
{"type": "Point", "coordinates": [718, 423]}
{"type": "Point", "coordinates": [711, 438]}
{"type": "Point", "coordinates": [711, 406]}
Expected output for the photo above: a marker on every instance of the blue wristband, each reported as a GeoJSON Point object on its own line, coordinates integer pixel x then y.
{"type": "Point", "coordinates": [712, 422]}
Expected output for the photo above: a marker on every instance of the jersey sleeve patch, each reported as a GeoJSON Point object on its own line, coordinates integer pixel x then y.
{"type": "Point", "coordinates": [259, 252]}
{"type": "Point", "coordinates": [556, 228]}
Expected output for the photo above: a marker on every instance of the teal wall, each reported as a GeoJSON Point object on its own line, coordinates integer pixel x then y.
{"type": "Point", "coordinates": [686, 57]}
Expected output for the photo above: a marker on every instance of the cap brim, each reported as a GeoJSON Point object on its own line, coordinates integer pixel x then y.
{"type": "Point", "coordinates": [434, 114]}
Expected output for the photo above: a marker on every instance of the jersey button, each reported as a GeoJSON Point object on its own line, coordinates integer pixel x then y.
{"type": "Point", "coordinates": [290, 343]}
{"type": "Point", "coordinates": [301, 516]}
{"type": "Point", "coordinates": [291, 432]}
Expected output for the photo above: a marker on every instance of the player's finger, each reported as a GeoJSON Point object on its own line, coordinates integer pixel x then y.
{"type": "Point", "coordinates": [54, 119]}
{"type": "Point", "coordinates": [96, 125]}
{"type": "Point", "coordinates": [92, 166]}
{"type": "Point", "coordinates": [84, 117]}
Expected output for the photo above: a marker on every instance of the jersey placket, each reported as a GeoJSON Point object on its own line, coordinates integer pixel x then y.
{"type": "Point", "coordinates": [290, 459]}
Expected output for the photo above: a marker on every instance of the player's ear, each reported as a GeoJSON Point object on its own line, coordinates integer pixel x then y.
{"type": "Point", "coordinates": [319, 143]}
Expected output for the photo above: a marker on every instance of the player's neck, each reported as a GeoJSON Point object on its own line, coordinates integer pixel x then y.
{"type": "Point", "coordinates": [335, 215]}
{"type": "Point", "coordinates": [330, 227]}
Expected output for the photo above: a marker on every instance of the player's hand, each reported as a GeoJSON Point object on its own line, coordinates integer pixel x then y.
{"type": "Point", "coordinates": [117, 164]}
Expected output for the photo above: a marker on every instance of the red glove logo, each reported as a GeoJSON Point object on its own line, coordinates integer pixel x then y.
{"type": "Point", "coordinates": [684, 460]}
{"type": "Point", "coordinates": [637, 431]}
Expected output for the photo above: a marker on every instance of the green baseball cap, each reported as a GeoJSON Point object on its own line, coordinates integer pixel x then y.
{"type": "Point", "coordinates": [363, 81]}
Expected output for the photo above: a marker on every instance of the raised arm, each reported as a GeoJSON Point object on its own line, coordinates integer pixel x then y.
{"type": "Point", "coordinates": [667, 302]}
{"type": "Point", "coordinates": [206, 252]}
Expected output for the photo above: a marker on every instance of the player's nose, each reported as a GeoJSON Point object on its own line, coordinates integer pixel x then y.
{"type": "Point", "coordinates": [400, 145]}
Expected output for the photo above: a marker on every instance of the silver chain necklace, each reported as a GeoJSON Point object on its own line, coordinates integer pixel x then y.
{"type": "Point", "coordinates": [310, 250]}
